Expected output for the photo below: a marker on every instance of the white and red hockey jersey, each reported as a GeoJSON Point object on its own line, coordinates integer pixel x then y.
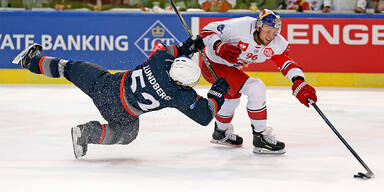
{"type": "Point", "coordinates": [239, 32]}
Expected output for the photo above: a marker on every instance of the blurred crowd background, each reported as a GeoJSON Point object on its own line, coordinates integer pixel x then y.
{"type": "Point", "coordinates": [312, 6]}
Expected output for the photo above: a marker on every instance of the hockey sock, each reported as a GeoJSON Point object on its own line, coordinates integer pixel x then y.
{"type": "Point", "coordinates": [109, 134]}
{"type": "Point", "coordinates": [48, 66]}
{"type": "Point", "coordinates": [258, 118]}
{"type": "Point", "coordinates": [99, 133]}
{"type": "Point", "coordinates": [223, 121]}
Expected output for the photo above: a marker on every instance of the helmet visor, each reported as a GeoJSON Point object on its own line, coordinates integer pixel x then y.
{"type": "Point", "coordinates": [271, 30]}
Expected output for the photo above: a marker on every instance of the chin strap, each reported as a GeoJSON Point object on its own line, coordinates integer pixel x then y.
{"type": "Point", "coordinates": [258, 36]}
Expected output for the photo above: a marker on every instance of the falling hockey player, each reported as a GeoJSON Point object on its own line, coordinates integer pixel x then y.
{"type": "Point", "coordinates": [230, 45]}
{"type": "Point", "coordinates": [164, 80]}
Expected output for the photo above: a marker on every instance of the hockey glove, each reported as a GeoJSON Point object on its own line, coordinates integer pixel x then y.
{"type": "Point", "coordinates": [191, 45]}
{"type": "Point", "coordinates": [227, 51]}
{"type": "Point", "coordinates": [301, 90]}
{"type": "Point", "coordinates": [217, 92]}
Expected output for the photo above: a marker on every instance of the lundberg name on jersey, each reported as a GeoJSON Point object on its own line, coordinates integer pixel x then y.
{"type": "Point", "coordinates": [239, 32]}
{"type": "Point", "coordinates": [149, 88]}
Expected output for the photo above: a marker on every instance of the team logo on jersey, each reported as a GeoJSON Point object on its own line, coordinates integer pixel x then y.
{"type": "Point", "coordinates": [268, 52]}
{"type": "Point", "coordinates": [257, 49]}
{"type": "Point", "coordinates": [243, 46]}
{"type": "Point", "coordinates": [220, 28]}
{"type": "Point", "coordinates": [156, 32]}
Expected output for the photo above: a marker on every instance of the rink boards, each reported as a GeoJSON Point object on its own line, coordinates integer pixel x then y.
{"type": "Point", "coordinates": [333, 49]}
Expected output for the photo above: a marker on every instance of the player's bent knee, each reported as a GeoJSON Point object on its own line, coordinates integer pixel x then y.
{"type": "Point", "coordinates": [253, 87]}
{"type": "Point", "coordinates": [127, 137]}
{"type": "Point", "coordinates": [257, 84]}
{"type": "Point", "coordinates": [129, 133]}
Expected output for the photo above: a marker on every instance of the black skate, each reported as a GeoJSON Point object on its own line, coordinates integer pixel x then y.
{"type": "Point", "coordinates": [24, 58]}
{"type": "Point", "coordinates": [80, 135]}
{"type": "Point", "coordinates": [266, 143]}
{"type": "Point", "coordinates": [226, 137]}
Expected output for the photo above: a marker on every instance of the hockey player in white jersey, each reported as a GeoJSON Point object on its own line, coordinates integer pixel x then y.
{"type": "Point", "coordinates": [230, 45]}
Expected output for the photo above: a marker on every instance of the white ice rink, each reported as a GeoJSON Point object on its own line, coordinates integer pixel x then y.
{"type": "Point", "coordinates": [173, 153]}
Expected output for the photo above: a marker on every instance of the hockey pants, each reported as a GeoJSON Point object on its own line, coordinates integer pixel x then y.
{"type": "Point", "coordinates": [103, 88]}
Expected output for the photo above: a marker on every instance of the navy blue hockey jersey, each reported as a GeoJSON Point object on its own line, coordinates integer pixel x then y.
{"type": "Point", "coordinates": [149, 88]}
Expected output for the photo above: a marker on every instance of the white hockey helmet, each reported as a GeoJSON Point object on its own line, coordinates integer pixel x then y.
{"type": "Point", "coordinates": [185, 71]}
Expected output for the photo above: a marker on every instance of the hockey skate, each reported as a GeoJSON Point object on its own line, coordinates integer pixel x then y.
{"type": "Point", "coordinates": [266, 143]}
{"type": "Point", "coordinates": [80, 135]}
{"type": "Point", "coordinates": [24, 58]}
{"type": "Point", "coordinates": [226, 137]}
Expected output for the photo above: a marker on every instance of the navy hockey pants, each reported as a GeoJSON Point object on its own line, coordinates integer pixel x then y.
{"type": "Point", "coordinates": [104, 89]}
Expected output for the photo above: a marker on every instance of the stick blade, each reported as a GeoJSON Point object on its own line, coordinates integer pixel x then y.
{"type": "Point", "coordinates": [364, 175]}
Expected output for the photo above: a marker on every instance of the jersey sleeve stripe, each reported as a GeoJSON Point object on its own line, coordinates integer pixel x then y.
{"type": "Point", "coordinates": [175, 52]}
{"type": "Point", "coordinates": [288, 68]}
{"type": "Point", "coordinates": [286, 64]}
{"type": "Point", "coordinates": [206, 33]}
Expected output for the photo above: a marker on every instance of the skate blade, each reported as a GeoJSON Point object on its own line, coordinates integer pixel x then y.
{"type": "Point", "coordinates": [223, 143]}
{"type": "Point", "coordinates": [258, 150]}
{"type": "Point", "coordinates": [18, 57]}
{"type": "Point", "coordinates": [77, 149]}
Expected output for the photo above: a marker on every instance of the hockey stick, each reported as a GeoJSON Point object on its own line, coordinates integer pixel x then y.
{"type": "Point", "coordinates": [205, 59]}
{"type": "Point", "coordinates": [369, 173]}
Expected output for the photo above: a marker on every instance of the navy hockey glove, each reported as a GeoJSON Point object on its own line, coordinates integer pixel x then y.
{"type": "Point", "coordinates": [217, 92]}
{"type": "Point", "coordinates": [191, 45]}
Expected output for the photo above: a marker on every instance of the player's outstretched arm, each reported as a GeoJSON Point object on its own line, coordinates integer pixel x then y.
{"type": "Point", "coordinates": [300, 89]}
{"type": "Point", "coordinates": [203, 110]}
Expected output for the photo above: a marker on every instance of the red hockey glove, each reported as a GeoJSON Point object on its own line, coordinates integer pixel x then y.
{"type": "Point", "coordinates": [301, 90]}
{"type": "Point", "coordinates": [228, 52]}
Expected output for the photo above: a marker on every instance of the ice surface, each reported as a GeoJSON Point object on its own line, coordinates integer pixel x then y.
{"type": "Point", "coordinates": [173, 153]}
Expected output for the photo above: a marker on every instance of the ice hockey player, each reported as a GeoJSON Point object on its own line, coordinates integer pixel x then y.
{"type": "Point", "coordinates": [164, 80]}
{"type": "Point", "coordinates": [230, 45]}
